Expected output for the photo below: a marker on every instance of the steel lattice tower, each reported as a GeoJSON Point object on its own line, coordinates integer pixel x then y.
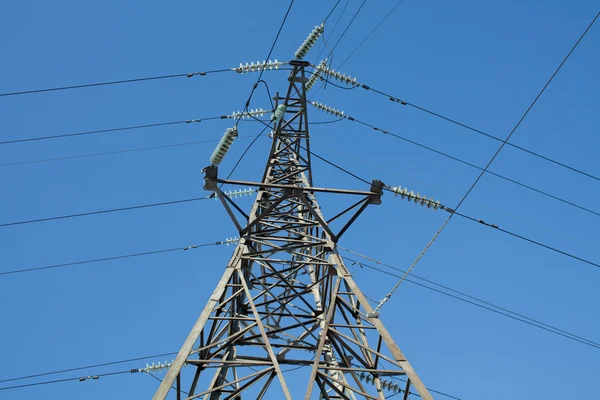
{"type": "Point", "coordinates": [287, 320]}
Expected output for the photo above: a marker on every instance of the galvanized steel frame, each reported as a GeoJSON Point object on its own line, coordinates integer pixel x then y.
{"type": "Point", "coordinates": [286, 298]}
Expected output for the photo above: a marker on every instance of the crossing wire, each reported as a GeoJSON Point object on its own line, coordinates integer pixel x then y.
{"type": "Point", "coordinates": [119, 82]}
{"type": "Point", "coordinates": [454, 212]}
{"type": "Point", "coordinates": [181, 201]}
{"type": "Point", "coordinates": [470, 299]}
{"type": "Point", "coordinates": [436, 235]}
{"type": "Point", "coordinates": [371, 33]}
{"type": "Point", "coordinates": [463, 125]}
{"type": "Point", "coordinates": [503, 311]}
{"type": "Point", "coordinates": [428, 148]}
{"type": "Point", "coordinates": [347, 27]}
{"type": "Point", "coordinates": [247, 104]}
{"type": "Point", "coordinates": [454, 121]}
{"type": "Point", "coordinates": [441, 153]}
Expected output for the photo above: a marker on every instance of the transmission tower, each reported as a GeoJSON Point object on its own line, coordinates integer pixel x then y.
{"type": "Point", "coordinates": [287, 320]}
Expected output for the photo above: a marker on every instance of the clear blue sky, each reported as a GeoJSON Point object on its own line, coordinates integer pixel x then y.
{"type": "Point", "coordinates": [479, 62]}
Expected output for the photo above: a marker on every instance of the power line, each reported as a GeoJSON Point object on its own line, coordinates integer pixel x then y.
{"type": "Point", "coordinates": [134, 127]}
{"type": "Point", "coordinates": [571, 255]}
{"type": "Point", "coordinates": [166, 146]}
{"type": "Point", "coordinates": [371, 33]}
{"type": "Point", "coordinates": [503, 311]}
{"type": "Point", "coordinates": [331, 33]}
{"type": "Point", "coordinates": [172, 387]}
{"type": "Point", "coordinates": [332, 10]}
{"type": "Point", "coordinates": [44, 160]}
{"type": "Point", "coordinates": [241, 157]}
{"type": "Point", "coordinates": [454, 212]}
{"type": "Point", "coordinates": [87, 367]}
{"type": "Point", "coordinates": [136, 207]}
{"type": "Point", "coordinates": [247, 104]}
{"type": "Point", "coordinates": [64, 380]}
{"type": "Point", "coordinates": [119, 129]}
{"type": "Point", "coordinates": [119, 257]}
{"type": "Point", "coordinates": [556, 332]}
{"type": "Point", "coordinates": [479, 221]}
{"type": "Point", "coordinates": [451, 120]}
{"type": "Point", "coordinates": [347, 27]}
{"type": "Point", "coordinates": [105, 153]}
{"type": "Point", "coordinates": [472, 165]}
{"type": "Point", "coordinates": [533, 153]}
{"type": "Point", "coordinates": [107, 83]}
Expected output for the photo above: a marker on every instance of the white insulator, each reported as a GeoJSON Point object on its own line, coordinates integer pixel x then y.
{"type": "Point", "coordinates": [416, 198]}
{"type": "Point", "coordinates": [316, 75]}
{"type": "Point", "coordinates": [157, 367]}
{"type": "Point", "coordinates": [237, 193]}
{"type": "Point", "coordinates": [328, 109]}
{"type": "Point", "coordinates": [246, 114]}
{"type": "Point", "coordinates": [339, 76]}
{"type": "Point", "coordinates": [252, 67]}
{"type": "Point", "coordinates": [279, 113]}
{"type": "Point", "coordinates": [232, 240]}
{"type": "Point", "coordinates": [223, 146]}
{"type": "Point", "coordinates": [309, 42]}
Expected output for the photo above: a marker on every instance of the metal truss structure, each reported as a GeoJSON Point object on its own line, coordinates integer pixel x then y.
{"type": "Point", "coordinates": [287, 320]}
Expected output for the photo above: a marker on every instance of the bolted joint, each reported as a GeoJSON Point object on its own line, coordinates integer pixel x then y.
{"type": "Point", "coordinates": [377, 190]}
{"type": "Point", "coordinates": [210, 177]}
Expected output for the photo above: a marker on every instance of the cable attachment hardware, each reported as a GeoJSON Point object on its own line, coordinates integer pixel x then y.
{"type": "Point", "coordinates": [339, 76]}
{"type": "Point", "coordinates": [247, 114]}
{"type": "Point", "coordinates": [316, 75]}
{"type": "Point", "coordinates": [223, 146]}
{"type": "Point", "coordinates": [328, 109]}
{"type": "Point", "coordinates": [232, 194]}
{"type": "Point", "coordinates": [259, 66]}
{"type": "Point", "coordinates": [309, 42]}
{"type": "Point", "coordinates": [417, 198]}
